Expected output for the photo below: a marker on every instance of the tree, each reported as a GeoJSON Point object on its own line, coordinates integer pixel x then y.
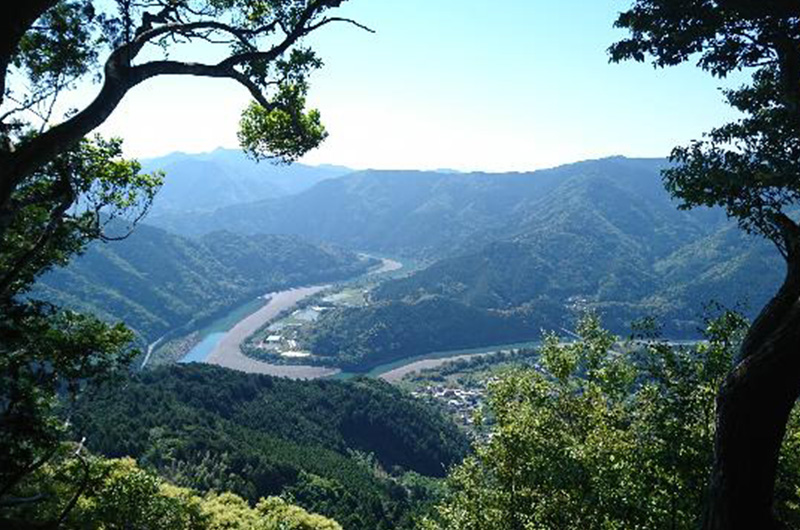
{"type": "Point", "coordinates": [117, 494]}
{"type": "Point", "coordinates": [603, 433]}
{"type": "Point", "coordinates": [48, 46]}
{"type": "Point", "coordinates": [60, 189]}
{"type": "Point", "coordinates": [750, 167]}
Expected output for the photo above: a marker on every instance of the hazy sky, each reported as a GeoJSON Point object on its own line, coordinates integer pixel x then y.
{"type": "Point", "coordinates": [464, 84]}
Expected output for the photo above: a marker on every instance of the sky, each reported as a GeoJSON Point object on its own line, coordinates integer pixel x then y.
{"type": "Point", "coordinates": [502, 85]}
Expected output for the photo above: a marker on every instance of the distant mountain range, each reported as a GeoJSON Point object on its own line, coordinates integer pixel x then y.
{"type": "Point", "coordinates": [224, 177]}
{"type": "Point", "coordinates": [407, 212]}
{"type": "Point", "coordinates": [510, 254]}
{"type": "Point", "coordinates": [436, 214]}
{"type": "Point", "coordinates": [531, 248]}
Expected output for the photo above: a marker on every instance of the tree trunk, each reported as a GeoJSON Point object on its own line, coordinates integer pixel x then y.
{"type": "Point", "coordinates": [753, 407]}
{"type": "Point", "coordinates": [15, 19]}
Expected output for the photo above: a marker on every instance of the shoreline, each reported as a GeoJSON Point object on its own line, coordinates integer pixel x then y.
{"type": "Point", "coordinates": [227, 352]}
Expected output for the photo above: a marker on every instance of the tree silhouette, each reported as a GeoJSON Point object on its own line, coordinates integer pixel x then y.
{"type": "Point", "coordinates": [750, 167]}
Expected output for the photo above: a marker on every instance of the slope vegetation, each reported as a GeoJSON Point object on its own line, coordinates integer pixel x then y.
{"type": "Point", "coordinates": [514, 251]}
{"type": "Point", "coordinates": [155, 281]}
{"type": "Point", "coordinates": [329, 445]}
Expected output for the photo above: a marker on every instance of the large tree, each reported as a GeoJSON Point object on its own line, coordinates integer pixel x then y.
{"type": "Point", "coordinates": [61, 188]}
{"type": "Point", "coordinates": [604, 433]}
{"type": "Point", "coordinates": [47, 46]}
{"type": "Point", "coordinates": [750, 167]}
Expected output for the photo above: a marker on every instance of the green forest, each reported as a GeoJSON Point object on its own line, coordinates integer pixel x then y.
{"type": "Point", "coordinates": [157, 282]}
{"type": "Point", "coordinates": [662, 289]}
{"type": "Point", "coordinates": [323, 445]}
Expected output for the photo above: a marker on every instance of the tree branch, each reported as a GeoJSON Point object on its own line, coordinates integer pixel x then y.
{"type": "Point", "coordinates": [328, 20]}
{"type": "Point", "coordinates": [67, 196]}
{"type": "Point", "coordinates": [87, 474]}
{"type": "Point", "coordinates": [121, 76]}
{"type": "Point", "coordinates": [17, 18]}
{"type": "Point", "coordinates": [242, 34]}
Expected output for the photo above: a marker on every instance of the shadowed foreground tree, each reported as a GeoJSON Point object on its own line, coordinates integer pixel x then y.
{"type": "Point", "coordinates": [604, 433]}
{"type": "Point", "coordinates": [750, 167]}
{"type": "Point", "coordinates": [60, 190]}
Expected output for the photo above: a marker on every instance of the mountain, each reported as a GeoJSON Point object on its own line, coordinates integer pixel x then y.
{"type": "Point", "coordinates": [351, 450]}
{"type": "Point", "coordinates": [439, 214]}
{"type": "Point", "coordinates": [225, 177]}
{"type": "Point", "coordinates": [360, 338]}
{"type": "Point", "coordinates": [155, 281]}
{"type": "Point", "coordinates": [508, 292]}
{"type": "Point", "coordinates": [525, 251]}
{"type": "Point", "coordinates": [396, 212]}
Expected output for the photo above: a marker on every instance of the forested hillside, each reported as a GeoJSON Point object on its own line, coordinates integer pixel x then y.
{"type": "Point", "coordinates": [155, 281]}
{"type": "Point", "coordinates": [394, 211]}
{"type": "Point", "coordinates": [330, 446]}
{"type": "Point", "coordinates": [359, 338]}
{"type": "Point", "coordinates": [515, 253]}
{"type": "Point", "coordinates": [509, 291]}
{"type": "Point", "coordinates": [615, 202]}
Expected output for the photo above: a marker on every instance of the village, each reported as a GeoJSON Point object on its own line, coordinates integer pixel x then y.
{"type": "Point", "coordinates": [460, 403]}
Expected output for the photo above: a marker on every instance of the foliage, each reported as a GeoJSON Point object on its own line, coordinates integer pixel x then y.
{"type": "Point", "coordinates": [748, 166]}
{"type": "Point", "coordinates": [48, 355]}
{"type": "Point", "coordinates": [52, 356]}
{"type": "Point", "coordinates": [116, 494]}
{"type": "Point", "coordinates": [214, 429]}
{"type": "Point", "coordinates": [65, 205]}
{"type": "Point", "coordinates": [59, 188]}
{"type": "Point", "coordinates": [603, 434]}
{"type": "Point", "coordinates": [285, 131]}
{"type": "Point", "coordinates": [359, 339]}
{"type": "Point", "coordinates": [71, 38]}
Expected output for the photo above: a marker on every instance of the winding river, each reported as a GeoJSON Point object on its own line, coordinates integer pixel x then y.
{"type": "Point", "coordinates": [227, 352]}
{"type": "Point", "coordinates": [224, 348]}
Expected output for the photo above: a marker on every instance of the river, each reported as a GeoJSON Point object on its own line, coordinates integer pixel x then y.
{"type": "Point", "coordinates": [223, 348]}
{"type": "Point", "coordinates": [227, 352]}
{"type": "Point", "coordinates": [396, 370]}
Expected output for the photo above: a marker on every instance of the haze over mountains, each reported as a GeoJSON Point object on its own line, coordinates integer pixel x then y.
{"type": "Point", "coordinates": [207, 181]}
{"type": "Point", "coordinates": [510, 254]}
{"type": "Point", "coordinates": [599, 234]}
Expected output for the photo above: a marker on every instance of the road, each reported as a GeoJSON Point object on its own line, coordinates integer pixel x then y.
{"type": "Point", "coordinates": [150, 348]}
{"type": "Point", "coordinates": [228, 353]}
{"type": "Point", "coordinates": [425, 364]}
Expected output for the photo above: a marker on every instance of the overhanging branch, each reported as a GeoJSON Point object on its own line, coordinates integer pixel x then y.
{"type": "Point", "coordinates": [121, 76]}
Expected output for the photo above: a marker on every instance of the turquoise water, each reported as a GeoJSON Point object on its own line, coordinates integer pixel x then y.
{"type": "Point", "coordinates": [199, 353]}
{"type": "Point", "coordinates": [212, 334]}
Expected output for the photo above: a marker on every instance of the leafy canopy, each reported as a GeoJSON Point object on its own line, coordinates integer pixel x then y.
{"type": "Point", "coordinates": [116, 493]}
{"type": "Point", "coordinates": [750, 166]}
{"type": "Point", "coordinates": [60, 188]}
{"type": "Point", "coordinates": [604, 433]}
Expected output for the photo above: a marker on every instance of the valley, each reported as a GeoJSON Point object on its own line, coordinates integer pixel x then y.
{"type": "Point", "coordinates": [511, 254]}
{"type": "Point", "coordinates": [236, 293]}
{"type": "Point", "coordinates": [285, 340]}
{"type": "Point", "coordinates": [227, 352]}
